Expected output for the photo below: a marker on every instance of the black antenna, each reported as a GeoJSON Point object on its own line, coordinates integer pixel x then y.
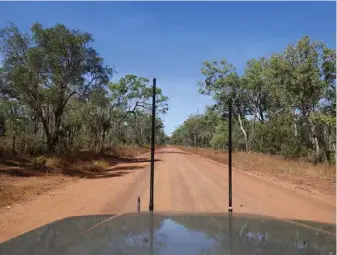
{"type": "Point", "coordinates": [138, 195]}
{"type": "Point", "coordinates": [230, 209]}
{"type": "Point", "coordinates": [151, 205]}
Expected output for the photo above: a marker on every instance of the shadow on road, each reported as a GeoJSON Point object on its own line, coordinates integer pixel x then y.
{"type": "Point", "coordinates": [22, 171]}
{"type": "Point", "coordinates": [115, 172]}
{"type": "Point", "coordinates": [82, 169]}
{"type": "Point", "coordinates": [173, 152]}
{"type": "Point", "coordinates": [107, 175]}
{"type": "Point", "coordinates": [135, 160]}
{"type": "Point", "coordinates": [121, 168]}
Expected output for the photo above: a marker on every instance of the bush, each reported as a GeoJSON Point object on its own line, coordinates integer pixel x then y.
{"type": "Point", "coordinates": [39, 163]}
{"type": "Point", "coordinates": [101, 163]}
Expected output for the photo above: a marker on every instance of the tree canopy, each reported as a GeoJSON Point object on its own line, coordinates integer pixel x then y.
{"type": "Point", "coordinates": [56, 94]}
{"type": "Point", "coordinates": [284, 104]}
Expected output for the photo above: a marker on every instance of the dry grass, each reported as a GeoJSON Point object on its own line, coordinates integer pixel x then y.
{"type": "Point", "coordinates": [267, 163]}
{"type": "Point", "coordinates": [19, 180]}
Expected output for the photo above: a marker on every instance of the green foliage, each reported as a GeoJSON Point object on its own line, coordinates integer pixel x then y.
{"type": "Point", "coordinates": [276, 136]}
{"type": "Point", "coordinates": [56, 94]}
{"type": "Point", "coordinates": [45, 69]}
{"type": "Point", "coordinates": [284, 105]}
{"type": "Point", "coordinates": [39, 163]}
{"type": "Point", "coordinates": [101, 164]}
{"type": "Point", "coordinates": [219, 141]}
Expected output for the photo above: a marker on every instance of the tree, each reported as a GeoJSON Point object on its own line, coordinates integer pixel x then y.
{"type": "Point", "coordinates": [257, 87]}
{"type": "Point", "coordinates": [225, 85]}
{"type": "Point", "coordinates": [14, 117]}
{"type": "Point", "coordinates": [54, 82]}
{"type": "Point", "coordinates": [133, 93]}
{"type": "Point", "coordinates": [301, 79]}
{"type": "Point", "coordinates": [107, 108]}
{"type": "Point", "coordinates": [45, 69]}
{"type": "Point", "coordinates": [284, 104]}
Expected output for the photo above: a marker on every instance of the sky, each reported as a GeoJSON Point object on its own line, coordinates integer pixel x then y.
{"type": "Point", "coordinates": [171, 40]}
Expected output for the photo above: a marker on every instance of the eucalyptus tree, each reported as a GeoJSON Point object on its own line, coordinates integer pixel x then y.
{"type": "Point", "coordinates": [46, 68]}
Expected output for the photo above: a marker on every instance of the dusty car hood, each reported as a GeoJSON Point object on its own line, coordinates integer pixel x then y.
{"type": "Point", "coordinates": [172, 233]}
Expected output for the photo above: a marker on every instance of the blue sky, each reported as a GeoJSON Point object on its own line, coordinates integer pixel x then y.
{"type": "Point", "coordinates": [170, 40]}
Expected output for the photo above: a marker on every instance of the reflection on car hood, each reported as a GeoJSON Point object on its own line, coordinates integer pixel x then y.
{"type": "Point", "coordinates": [172, 233]}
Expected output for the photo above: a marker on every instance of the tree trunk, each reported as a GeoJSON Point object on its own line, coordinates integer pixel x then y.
{"type": "Point", "coordinates": [97, 140]}
{"type": "Point", "coordinates": [46, 130]}
{"type": "Point", "coordinates": [52, 137]}
{"type": "Point", "coordinates": [261, 113]}
{"type": "Point", "coordinates": [49, 142]}
{"type": "Point", "coordinates": [325, 148]}
{"type": "Point", "coordinates": [57, 124]}
{"type": "Point", "coordinates": [295, 124]}
{"type": "Point", "coordinates": [253, 129]}
{"type": "Point", "coordinates": [244, 132]}
{"type": "Point", "coordinates": [103, 140]}
{"type": "Point", "coordinates": [14, 140]}
{"type": "Point", "coordinates": [318, 152]}
{"type": "Point", "coordinates": [315, 143]}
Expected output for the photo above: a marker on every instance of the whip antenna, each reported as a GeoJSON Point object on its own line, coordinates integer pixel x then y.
{"type": "Point", "coordinates": [138, 195]}
{"type": "Point", "coordinates": [230, 208]}
{"type": "Point", "coordinates": [151, 206]}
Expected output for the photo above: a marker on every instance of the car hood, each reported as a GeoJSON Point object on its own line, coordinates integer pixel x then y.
{"type": "Point", "coordinates": [175, 233]}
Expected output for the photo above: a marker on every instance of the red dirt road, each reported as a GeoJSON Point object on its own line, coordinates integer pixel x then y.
{"type": "Point", "coordinates": [183, 182]}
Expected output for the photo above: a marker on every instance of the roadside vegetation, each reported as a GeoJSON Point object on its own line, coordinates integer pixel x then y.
{"type": "Point", "coordinates": [283, 105]}
{"type": "Point", "coordinates": [62, 113]}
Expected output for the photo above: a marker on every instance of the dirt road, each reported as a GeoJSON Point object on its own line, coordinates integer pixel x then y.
{"type": "Point", "coordinates": [183, 182]}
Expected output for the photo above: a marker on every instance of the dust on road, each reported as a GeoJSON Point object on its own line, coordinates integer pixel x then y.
{"type": "Point", "coordinates": [183, 182]}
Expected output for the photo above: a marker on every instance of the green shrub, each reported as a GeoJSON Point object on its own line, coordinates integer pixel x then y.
{"type": "Point", "coordinates": [39, 163]}
{"type": "Point", "coordinates": [101, 163]}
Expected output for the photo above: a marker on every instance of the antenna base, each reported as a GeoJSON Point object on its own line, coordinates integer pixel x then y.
{"type": "Point", "coordinates": [138, 203]}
